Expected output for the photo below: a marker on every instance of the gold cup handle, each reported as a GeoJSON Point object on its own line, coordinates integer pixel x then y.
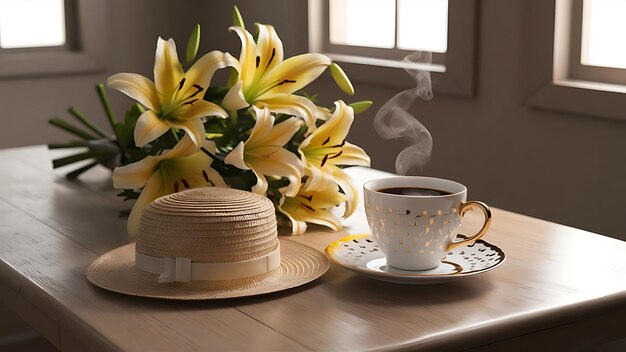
{"type": "Point", "coordinates": [464, 208]}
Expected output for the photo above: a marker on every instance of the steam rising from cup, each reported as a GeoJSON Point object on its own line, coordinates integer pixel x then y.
{"type": "Point", "coordinates": [394, 121]}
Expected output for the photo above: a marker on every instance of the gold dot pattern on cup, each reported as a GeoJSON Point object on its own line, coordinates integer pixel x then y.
{"type": "Point", "coordinates": [414, 225]}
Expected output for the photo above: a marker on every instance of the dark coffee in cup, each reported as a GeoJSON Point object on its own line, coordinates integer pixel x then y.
{"type": "Point", "coordinates": [414, 191]}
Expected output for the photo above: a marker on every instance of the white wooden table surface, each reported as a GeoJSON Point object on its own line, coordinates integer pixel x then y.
{"type": "Point", "coordinates": [559, 288]}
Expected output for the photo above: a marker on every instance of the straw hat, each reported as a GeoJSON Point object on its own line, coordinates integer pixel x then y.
{"type": "Point", "coordinates": [207, 243]}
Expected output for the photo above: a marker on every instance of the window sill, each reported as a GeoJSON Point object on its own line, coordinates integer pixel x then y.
{"type": "Point", "coordinates": [391, 73]}
{"type": "Point", "coordinates": [582, 97]}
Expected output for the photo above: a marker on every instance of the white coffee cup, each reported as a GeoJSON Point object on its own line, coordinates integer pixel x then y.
{"type": "Point", "coordinates": [415, 219]}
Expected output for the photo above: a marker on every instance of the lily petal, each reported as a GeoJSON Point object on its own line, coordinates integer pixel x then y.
{"type": "Point", "coordinates": [324, 218]}
{"type": "Point", "coordinates": [269, 50]}
{"type": "Point", "coordinates": [184, 147]}
{"type": "Point", "coordinates": [234, 99]}
{"type": "Point", "coordinates": [149, 127]}
{"type": "Point", "coordinates": [317, 180]}
{"type": "Point", "coordinates": [282, 132]}
{"type": "Point", "coordinates": [236, 157]}
{"type": "Point", "coordinates": [203, 108]}
{"type": "Point", "coordinates": [298, 227]}
{"type": "Point", "coordinates": [193, 128]}
{"type": "Point", "coordinates": [336, 128]}
{"type": "Point", "coordinates": [150, 192]}
{"type": "Point", "coordinates": [300, 215]}
{"type": "Point", "coordinates": [201, 72]}
{"type": "Point", "coordinates": [167, 69]}
{"type": "Point", "coordinates": [281, 163]}
{"type": "Point", "coordinates": [352, 155]}
{"type": "Point", "coordinates": [137, 87]}
{"type": "Point", "coordinates": [292, 105]}
{"type": "Point", "coordinates": [262, 127]}
{"type": "Point", "coordinates": [261, 183]}
{"type": "Point", "coordinates": [247, 57]}
{"type": "Point", "coordinates": [292, 74]}
{"type": "Point", "coordinates": [345, 182]}
{"type": "Point", "coordinates": [323, 113]}
{"type": "Point", "coordinates": [135, 175]}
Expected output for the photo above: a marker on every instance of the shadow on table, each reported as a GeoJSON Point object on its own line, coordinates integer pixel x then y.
{"type": "Point", "coordinates": [344, 285]}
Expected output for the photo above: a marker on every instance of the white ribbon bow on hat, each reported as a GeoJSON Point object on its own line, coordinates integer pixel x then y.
{"type": "Point", "coordinates": [181, 269]}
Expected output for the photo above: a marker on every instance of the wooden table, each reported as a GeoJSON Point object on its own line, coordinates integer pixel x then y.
{"type": "Point", "coordinates": [560, 287]}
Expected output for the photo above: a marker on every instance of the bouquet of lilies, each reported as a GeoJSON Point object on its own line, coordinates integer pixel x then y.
{"type": "Point", "coordinates": [259, 132]}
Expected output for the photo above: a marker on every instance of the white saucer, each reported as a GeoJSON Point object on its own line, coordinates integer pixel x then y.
{"type": "Point", "coordinates": [361, 254]}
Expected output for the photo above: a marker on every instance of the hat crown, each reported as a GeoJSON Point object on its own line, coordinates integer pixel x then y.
{"type": "Point", "coordinates": [208, 225]}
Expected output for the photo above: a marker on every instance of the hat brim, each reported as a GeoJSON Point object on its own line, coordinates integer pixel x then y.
{"type": "Point", "coordinates": [115, 271]}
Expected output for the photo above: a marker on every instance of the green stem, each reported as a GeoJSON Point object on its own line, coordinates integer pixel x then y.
{"type": "Point", "coordinates": [85, 121]}
{"type": "Point", "coordinates": [70, 129]}
{"type": "Point", "coordinates": [175, 135]}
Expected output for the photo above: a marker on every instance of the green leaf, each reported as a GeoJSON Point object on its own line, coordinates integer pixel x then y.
{"type": "Point", "coordinates": [341, 79]}
{"type": "Point", "coordinates": [74, 174]}
{"type": "Point", "coordinates": [88, 123]}
{"type": "Point", "coordinates": [71, 144]}
{"type": "Point", "coordinates": [70, 128]}
{"type": "Point", "coordinates": [360, 106]}
{"type": "Point", "coordinates": [237, 19]}
{"type": "Point", "coordinates": [106, 104]}
{"type": "Point", "coordinates": [73, 158]}
{"type": "Point", "coordinates": [129, 194]}
{"type": "Point", "coordinates": [213, 135]}
{"type": "Point", "coordinates": [193, 44]}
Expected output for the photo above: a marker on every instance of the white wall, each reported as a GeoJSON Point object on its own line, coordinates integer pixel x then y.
{"type": "Point", "coordinates": [561, 167]}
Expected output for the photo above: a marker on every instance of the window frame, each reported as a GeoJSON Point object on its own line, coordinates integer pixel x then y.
{"type": "Point", "coordinates": [548, 80]}
{"type": "Point", "coordinates": [452, 72]}
{"type": "Point", "coordinates": [83, 53]}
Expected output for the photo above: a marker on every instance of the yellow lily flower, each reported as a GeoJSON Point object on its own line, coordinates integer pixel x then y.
{"type": "Point", "coordinates": [263, 152]}
{"type": "Point", "coordinates": [180, 168]}
{"type": "Point", "coordinates": [314, 206]}
{"type": "Point", "coordinates": [326, 148]}
{"type": "Point", "coordinates": [175, 98]}
{"type": "Point", "coordinates": [265, 80]}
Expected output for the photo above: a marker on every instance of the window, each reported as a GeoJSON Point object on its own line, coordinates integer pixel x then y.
{"type": "Point", "coordinates": [598, 31]}
{"type": "Point", "coordinates": [400, 24]}
{"type": "Point", "coordinates": [365, 33]}
{"type": "Point", "coordinates": [52, 37]}
{"type": "Point", "coordinates": [32, 23]}
{"type": "Point", "coordinates": [578, 57]}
